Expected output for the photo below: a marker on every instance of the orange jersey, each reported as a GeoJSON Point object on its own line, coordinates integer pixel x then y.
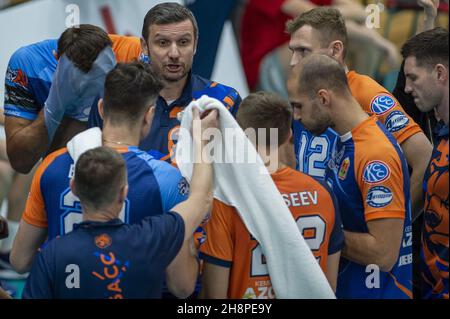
{"type": "Point", "coordinates": [229, 244]}
{"type": "Point", "coordinates": [375, 99]}
{"type": "Point", "coordinates": [434, 254]}
{"type": "Point", "coordinates": [126, 49]}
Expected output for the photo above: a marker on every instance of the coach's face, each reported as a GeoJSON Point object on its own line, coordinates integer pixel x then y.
{"type": "Point", "coordinates": [171, 48]}
{"type": "Point", "coordinates": [422, 84]}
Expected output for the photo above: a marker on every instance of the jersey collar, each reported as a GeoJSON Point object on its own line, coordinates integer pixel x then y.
{"type": "Point", "coordinates": [95, 224]}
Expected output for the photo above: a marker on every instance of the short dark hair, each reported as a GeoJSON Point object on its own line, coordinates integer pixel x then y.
{"type": "Point", "coordinates": [327, 21]}
{"type": "Point", "coordinates": [166, 13]}
{"type": "Point", "coordinates": [83, 44]}
{"type": "Point", "coordinates": [429, 47]}
{"type": "Point", "coordinates": [266, 110]}
{"type": "Point", "coordinates": [100, 173]}
{"type": "Point", "coordinates": [319, 71]}
{"type": "Point", "coordinates": [130, 88]}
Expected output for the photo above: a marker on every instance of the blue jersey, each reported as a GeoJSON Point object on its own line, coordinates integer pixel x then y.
{"type": "Point", "coordinates": [163, 136]}
{"type": "Point", "coordinates": [107, 260]}
{"type": "Point", "coordinates": [154, 188]}
{"type": "Point", "coordinates": [28, 79]}
{"type": "Point", "coordinates": [312, 153]}
{"type": "Point", "coordinates": [369, 175]}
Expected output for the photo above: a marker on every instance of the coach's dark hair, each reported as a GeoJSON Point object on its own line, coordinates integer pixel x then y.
{"type": "Point", "coordinates": [429, 47]}
{"type": "Point", "coordinates": [327, 21]}
{"type": "Point", "coordinates": [83, 44]}
{"type": "Point", "coordinates": [130, 89]}
{"type": "Point", "coordinates": [319, 71]}
{"type": "Point", "coordinates": [166, 13]}
{"type": "Point", "coordinates": [100, 173]}
{"type": "Point", "coordinates": [263, 110]}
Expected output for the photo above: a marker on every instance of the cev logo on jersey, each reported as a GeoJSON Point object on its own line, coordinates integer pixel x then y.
{"type": "Point", "coordinates": [376, 172]}
{"type": "Point", "coordinates": [396, 121]}
{"type": "Point", "coordinates": [382, 103]}
{"type": "Point", "coordinates": [379, 196]}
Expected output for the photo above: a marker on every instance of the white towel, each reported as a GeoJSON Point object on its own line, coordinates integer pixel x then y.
{"type": "Point", "coordinates": [83, 142]}
{"type": "Point", "coordinates": [293, 270]}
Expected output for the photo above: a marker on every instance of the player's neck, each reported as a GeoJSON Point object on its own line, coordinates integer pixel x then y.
{"type": "Point", "coordinates": [102, 216]}
{"type": "Point", "coordinates": [348, 116]}
{"type": "Point", "coordinates": [272, 160]}
{"type": "Point", "coordinates": [173, 90]}
{"type": "Point", "coordinates": [115, 136]}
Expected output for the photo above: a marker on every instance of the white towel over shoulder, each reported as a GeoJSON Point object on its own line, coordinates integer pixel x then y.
{"type": "Point", "coordinates": [293, 270]}
{"type": "Point", "coordinates": [83, 142]}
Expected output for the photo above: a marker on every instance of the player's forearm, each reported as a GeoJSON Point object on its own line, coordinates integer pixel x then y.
{"type": "Point", "coordinates": [201, 188]}
{"type": "Point", "coordinates": [417, 150]}
{"type": "Point", "coordinates": [182, 272]}
{"type": "Point", "coordinates": [27, 145]}
{"type": "Point", "coordinates": [365, 249]}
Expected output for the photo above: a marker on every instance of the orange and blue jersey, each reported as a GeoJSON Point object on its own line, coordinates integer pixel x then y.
{"type": "Point", "coordinates": [369, 176]}
{"type": "Point", "coordinates": [30, 71]}
{"type": "Point", "coordinates": [434, 250]}
{"type": "Point", "coordinates": [163, 136]}
{"type": "Point", "coordinates": [314, 152]}
{"type": "Point", "coordinates": [154, 188]}
{"type": "Point", "coordinates": [229, 244]}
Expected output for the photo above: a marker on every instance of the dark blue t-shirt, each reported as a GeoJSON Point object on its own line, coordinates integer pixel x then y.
{"type": "Point", "coordinates": [107, 260]}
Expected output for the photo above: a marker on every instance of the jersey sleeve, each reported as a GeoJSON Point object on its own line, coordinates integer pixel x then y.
{"type": "Point", "coordinates": [167, 235]}
{"type": "Point", "coordinates": [381, 182]}
{"type": "Point", "coordinates": [218, 248]}
{"type": "Point", "coordinates": [35, 213]}
{"type": "Point", "coordinates": [375, 99]}
{"type": "Point", "coordinates": [40, 281]}
{"type": "Point", "coordinates": [394, 117]}
{"type": "Point", "coordinates": [19, 99]}
{"type": "Point", "coordinates": [229, 97]}
{"type": "Point", "coordinates": [174, 188]}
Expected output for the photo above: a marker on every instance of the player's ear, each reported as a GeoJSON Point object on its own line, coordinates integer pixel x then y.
{"type": "Point", "coordinates": [72, 187]}
{"type": "Point", "coordinates": [100, 108]}
{"type": "Point", "coordinates": [55, 54]}
{"type": "Point", "coordinates": [144, 47]}
{"type": "Point", "coordinates": [148, 118]}
{"type": "Point", "coordinates": [123, 193]}
{"type": "Point", "coordinates": [441, 73]}
{"type": "Point", "coordinates": [324, 97]}
{"type": "Point", "coordinates": [337, 50]}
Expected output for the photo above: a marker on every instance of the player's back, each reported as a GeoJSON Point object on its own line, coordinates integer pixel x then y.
{"type": "Point", "coordinates": [317, 218]}
{"type": "Point", "coordinates": [154, 188]}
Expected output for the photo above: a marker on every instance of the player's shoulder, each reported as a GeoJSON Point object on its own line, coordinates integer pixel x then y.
{"type": "Point", "coordinates": [148, 161]}
{"type": "Point", "coordinates": [23, 56]}
{"type": "Point", "coordinates": [200, 83]}
{"type": "Point", "coordinates": [298, 181]}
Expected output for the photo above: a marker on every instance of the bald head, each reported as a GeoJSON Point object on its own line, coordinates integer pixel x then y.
{"type": "Point", "coordinates": [316, 72]}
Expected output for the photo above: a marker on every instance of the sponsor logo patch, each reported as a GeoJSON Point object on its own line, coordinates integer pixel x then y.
{"type": "Point", "coordinates": [396, 121]}
{"type": "Point", "coordinates": [183, 186]}
{"type": "Point", "coordinates": [344, 168]}
{"type": "Point", "coordinates": [376, 172]}
{"type": "Point", "coordinates": [379, 196]}
{"type": "Point", "coordinates": [382, 103]}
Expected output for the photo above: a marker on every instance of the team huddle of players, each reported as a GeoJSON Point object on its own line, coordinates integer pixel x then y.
{"type": "Point", "coordinates": [353, 167]}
